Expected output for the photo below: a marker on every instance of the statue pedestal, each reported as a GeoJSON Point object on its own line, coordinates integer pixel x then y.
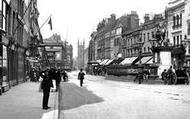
{"type": "Point", "coordinates": [165, 61]}
{"type": "Point", "coordinates": [162, 57]}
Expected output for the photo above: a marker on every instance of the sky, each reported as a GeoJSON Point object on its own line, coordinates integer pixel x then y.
{"type": "Point", "coordinates": [76, 19]}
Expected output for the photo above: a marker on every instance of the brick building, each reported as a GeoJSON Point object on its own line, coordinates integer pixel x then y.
{"type": "Point", "coordinates": [108, 38]}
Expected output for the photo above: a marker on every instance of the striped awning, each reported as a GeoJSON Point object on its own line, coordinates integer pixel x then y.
{"type": "Point", "coordinates": [128, 60]}
{"type": "Point", "coordinates": [109, 61]}
{"type": "Point", "coordinates": [146, 60]}
{"type": "Point", "coordinates": [104, 62]}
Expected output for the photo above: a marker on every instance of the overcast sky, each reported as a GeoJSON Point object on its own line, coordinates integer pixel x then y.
{"type": "Point", "coordinates": [76, 19]}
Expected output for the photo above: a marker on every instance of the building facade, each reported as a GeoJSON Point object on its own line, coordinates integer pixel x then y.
{"type": "Point", "coordinates": [130, 46]}
{"type": "Point", "coordinates": [107, 41]}
{"type": "Point", "coordinates": [54, 49]}
{"type": "Point", "coordinates": [15, 23]}
{"type": "Point", "coordinates": [68, 56]}
{"type": "Point", "coordinates": [91, 48]}
{"type": "Point", "coordinates": [178, 20]}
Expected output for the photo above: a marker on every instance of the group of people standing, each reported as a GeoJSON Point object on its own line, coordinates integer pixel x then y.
{"type": "Point", "coordinates": [48, 76]}
{"type": "Point", "coordinates": [170, 76]}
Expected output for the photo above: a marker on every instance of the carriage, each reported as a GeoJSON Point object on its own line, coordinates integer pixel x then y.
{"type": "Point", "coordinates": [181, 77]}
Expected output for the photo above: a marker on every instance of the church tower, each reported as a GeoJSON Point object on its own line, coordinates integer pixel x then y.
{"type": "Point", "coordinates": [80, 57]}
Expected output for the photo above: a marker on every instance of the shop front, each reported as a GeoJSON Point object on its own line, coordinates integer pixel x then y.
{"type": "Point", "coordinates": [4, 64]}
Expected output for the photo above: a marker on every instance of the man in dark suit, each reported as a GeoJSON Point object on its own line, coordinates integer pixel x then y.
{"type": "Point", "coordinates": [46, 85]}
{"type": "Point", "coordinates": [81, 77]}
{"type": "Point", "coordinates": [57, 78]}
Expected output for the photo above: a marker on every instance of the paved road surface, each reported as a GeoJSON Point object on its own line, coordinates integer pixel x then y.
{"type": "Point", "coordinates": [108, 99]}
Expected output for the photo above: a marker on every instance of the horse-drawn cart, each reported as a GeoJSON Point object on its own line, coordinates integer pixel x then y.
{"type": "Point", "coordinates": [181, 77]}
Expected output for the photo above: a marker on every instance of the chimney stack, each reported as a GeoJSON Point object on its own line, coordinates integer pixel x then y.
{"type": "Point", "coordinates": [146, 18]}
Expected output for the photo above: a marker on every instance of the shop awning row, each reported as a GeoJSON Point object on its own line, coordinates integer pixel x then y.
{"type": "Point", "coordinates": [129, 61]}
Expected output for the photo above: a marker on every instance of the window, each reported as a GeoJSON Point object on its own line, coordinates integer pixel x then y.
{"type": "Point", "coordinates": [177, 40]}
{"type": "Point", "coordinates": [152, 34]}
{"type": "Point", "coordinates": [180, 19]}
{"type": "Point", "coordinates": [177, 20]}
{"type": "Point", "coordinates": [174, 40]}
{"type": "Point", "coordinates": [2, 14]}
{"type": "Point", "coordinates": [180, 39]}
{"type": "Point", "coordinates": [188, 28]}
{"type": "Point", "coordinates": [144, 49]}
{"type": "Point", "coordinates": [174, 21]}
{"type": "Point", "coordinates": [148, 36]}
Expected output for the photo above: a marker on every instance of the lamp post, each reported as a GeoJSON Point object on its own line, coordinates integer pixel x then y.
{"type": "Point", "coordinates": [185, 45]}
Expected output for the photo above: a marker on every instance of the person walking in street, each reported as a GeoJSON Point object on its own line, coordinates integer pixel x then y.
{"type": "Point", "coordinates": [171, 75]}
{"type": "Point", "coordinates": [81, 76]}
{"type": "Point", "coordinates": [46, 85]}
{"type": "Point", "coordinates": [57, 78]}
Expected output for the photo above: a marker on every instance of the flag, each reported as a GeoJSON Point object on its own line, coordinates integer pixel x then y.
{"type": "Point", "coordinates": [50, 23]}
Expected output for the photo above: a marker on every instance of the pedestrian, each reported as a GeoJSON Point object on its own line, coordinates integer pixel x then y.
{"type": "Point", "coordinates": [164, 76]}
{"type": "Point", "coordinates": [57, 78]}
{"type": "Point", "coordinates": [171, 75]}
{"type": "Point", "coordinates": [46, 85]}
{"type": "Point", "coordinates": [52, 76]}
{"type": "Point", "coordinates": [65, 76]}
{"type": "Point", "coordinates": [81, 76]}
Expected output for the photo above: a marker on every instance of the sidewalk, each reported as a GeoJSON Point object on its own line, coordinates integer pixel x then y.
{"type": "Point", "coordinates": [24, 101]}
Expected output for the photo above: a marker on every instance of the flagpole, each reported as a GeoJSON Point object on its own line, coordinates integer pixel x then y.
{"type": "Point", "coordinates": [43, 24]}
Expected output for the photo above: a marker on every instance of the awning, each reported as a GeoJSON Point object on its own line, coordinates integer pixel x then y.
{"type": "Point", "coordinates": [125, 61]}
{"type": "Point", "coordinates": [128, 60]}
{"type": "Point", "coordinates": [98, 61]}
{"type": "Point", "coordinates": [150, 61]}
{"type": "Point", "coordinates": [146, 60]}
{"type": "Point", "coordinates": [93, 63]}
{"type": "Point", "coordinates": [104, 62]}
{"type": "Point", "coordinates": [109, 61]}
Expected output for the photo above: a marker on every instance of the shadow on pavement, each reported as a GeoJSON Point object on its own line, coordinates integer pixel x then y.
{"type": "Point", "coordinates": [72, 96]}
